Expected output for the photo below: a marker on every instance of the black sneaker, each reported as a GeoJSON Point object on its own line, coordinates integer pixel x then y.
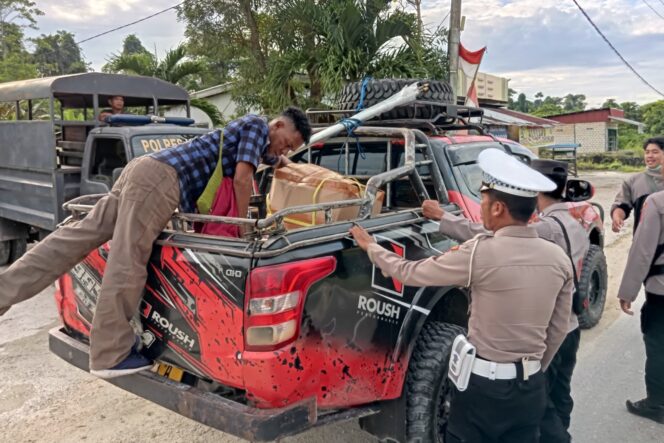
{"type": "Point", "coordinates": [134, 363]}
{"type": "Point", "coordinates": [643, 408]}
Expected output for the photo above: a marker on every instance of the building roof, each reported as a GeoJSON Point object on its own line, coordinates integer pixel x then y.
{"type": "Point", "coordinates": [72, 88]}
{"type": "Point", "coordinates": [601, 115]}
{"type": "Point", "coordinates": [627, 121]}
{"type": "Point", "coordinates": [212, 91]}
{"type": "Point", "coordinates": [504, 116]}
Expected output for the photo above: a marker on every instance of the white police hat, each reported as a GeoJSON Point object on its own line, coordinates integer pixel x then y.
{"type": "Point", "coordinates": [503, 172]}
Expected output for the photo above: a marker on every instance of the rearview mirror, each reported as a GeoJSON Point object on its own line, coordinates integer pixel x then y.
{"type": "Point", "coordinates": [116, 174]}
{"type": "Point", "coordinates": [578, 190]}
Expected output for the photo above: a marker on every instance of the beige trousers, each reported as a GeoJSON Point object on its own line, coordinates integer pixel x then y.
{"type": "Point", "coordinates": [132, 215]}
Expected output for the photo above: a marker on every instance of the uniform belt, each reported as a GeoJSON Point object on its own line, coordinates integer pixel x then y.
{"type": "Point", "coordinates": [503, 371]}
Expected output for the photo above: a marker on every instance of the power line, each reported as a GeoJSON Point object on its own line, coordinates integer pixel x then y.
{"type": "Point", "coordinates": [615, 50]}
{"type": "Point", "coordinates": [653, 9]}
{"type": "Point", "coordinates": [132, 23]}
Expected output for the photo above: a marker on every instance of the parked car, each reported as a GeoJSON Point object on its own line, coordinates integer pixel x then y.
{"type": "Point", "coordinates": [278, 332]}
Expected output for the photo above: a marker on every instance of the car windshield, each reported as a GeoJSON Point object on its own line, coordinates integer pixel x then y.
{"type": "Point", "coordinates": [149, 143]}
{"type": "Point", "coordinates": [464, 159]}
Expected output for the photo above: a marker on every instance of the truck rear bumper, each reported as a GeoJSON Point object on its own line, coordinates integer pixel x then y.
{"type": "Point", "coordinates": [210, 409]}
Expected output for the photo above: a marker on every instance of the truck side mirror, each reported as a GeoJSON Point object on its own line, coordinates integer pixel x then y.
{"type": "Point", "coordinates": [578, 190]}
{"type": "Point", "coordinates": [116, 174]}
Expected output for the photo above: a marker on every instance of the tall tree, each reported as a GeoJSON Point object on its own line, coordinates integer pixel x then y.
{"type": "Point", "coordinates": [58, 54]}
{"type": "Point", "coordinates": [302, 51]}
{"type": "Point", "coordinates": [632, 111]}
{"type": "Point", "coordinates": [611, 103]}
{"type": "Point", "coordinates": [15, 15]}
{"type": "Point", "coordinates": [653, 117]}
{"type": "Point", "coordinates": [133, 45]}
{"type": "Point", "coordinates": [522, 103]}
{"type": "Point", "coordinates": [574, 102]}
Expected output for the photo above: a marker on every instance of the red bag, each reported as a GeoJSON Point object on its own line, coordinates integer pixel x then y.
{"type": "Point", "coordinates": [224, 205]}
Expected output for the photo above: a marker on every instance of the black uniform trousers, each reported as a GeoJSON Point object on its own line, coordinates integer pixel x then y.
{"type": "Point", "coordinates": [498, 411]}
{"type": "Point", "coordinates": [652, 327]}
{"type": "Point", "coordinates": [559, 379]}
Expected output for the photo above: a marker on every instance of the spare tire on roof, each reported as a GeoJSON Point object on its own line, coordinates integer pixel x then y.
{"type": "Point", "coordinates": [378, 90]}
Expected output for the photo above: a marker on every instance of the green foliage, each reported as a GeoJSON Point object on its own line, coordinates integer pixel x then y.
{"type": "Point", "coordinates": [302, 51]}
{"type": "Point", "coordinates": [176, 67]}
{"type": "Point", "coordinates": [58, 54]}
{"type": "Point", "coordinates": [16, 67]}
{"type": "Point", "coordinates": [543, 106]}
{"type": "Point", "coordinates": [624, 161]}
{"type": "Point", "coordinates": [653, 117]}
{"type": "Point", "coordinates": [132, 45]}
{"type": "Point", "coordinates": [632, 111]}
{"type": "Point", "coordinates": [610, 103]}
{"type": "Point", "coordinates": [210, 110]}
{"type": "Point", "coordinates": [630, 139]}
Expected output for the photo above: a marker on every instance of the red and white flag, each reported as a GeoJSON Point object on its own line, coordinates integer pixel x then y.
{"type": "Point", "coordinates": [469, 64]}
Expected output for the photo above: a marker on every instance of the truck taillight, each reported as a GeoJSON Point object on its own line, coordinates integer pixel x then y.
{"type": "Point", "coordinates": [275, 299]}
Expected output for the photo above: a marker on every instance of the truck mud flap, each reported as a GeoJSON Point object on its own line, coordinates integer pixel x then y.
{"type": "Point", "coordinates": [210, 409]}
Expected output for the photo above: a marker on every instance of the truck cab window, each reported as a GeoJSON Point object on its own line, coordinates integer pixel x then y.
{"type": "Point", "coordinates": [107, 155]}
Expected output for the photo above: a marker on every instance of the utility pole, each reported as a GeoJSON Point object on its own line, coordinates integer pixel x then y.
{"type": "Point", "coordinates": [453, 46]}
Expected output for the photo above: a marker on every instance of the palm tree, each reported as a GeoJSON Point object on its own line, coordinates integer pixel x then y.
{"type": "Point", "coordinates": [175, 68]}
{"type": "Point", "coordinates": [331, 42]}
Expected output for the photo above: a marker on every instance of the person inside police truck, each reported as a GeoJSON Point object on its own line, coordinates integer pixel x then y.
{"type": "Point", "coordinates": [116, 103]}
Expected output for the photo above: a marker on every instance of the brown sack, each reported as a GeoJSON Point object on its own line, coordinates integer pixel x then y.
{"type": "Point", "coordinates": [304, 184]}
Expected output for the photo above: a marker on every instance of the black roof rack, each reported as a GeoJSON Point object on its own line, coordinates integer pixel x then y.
{"type": "Point", "coordinates": [446, 117]}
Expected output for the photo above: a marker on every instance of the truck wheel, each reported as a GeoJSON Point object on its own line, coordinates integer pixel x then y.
{"type": "Point", "coordinates": [593, 283]}
{"type": "Point", "coordinates": [428, 391]}
{"type": "Point", "coordinates": [17, 249]}
{"type": "Point", "coordinates": [378, 90]}
{"type": "Point", "coordinates": [5, 252]}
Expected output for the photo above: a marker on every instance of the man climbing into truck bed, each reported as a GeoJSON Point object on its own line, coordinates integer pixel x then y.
{"type": "Point", "coordinates": [133, 214]}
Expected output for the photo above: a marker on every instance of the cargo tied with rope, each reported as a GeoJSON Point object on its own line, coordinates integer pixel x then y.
{"type": "Point", "coordinates": [305, 184]}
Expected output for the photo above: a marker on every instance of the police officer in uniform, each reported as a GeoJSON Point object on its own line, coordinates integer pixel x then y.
{"type": "Point", "coordinates": [521, 294]}
{"type": "Point", "coordinates": [556, 225]}
{"type": "Point", "coordinates": [639, 186]}
{"type": "Point", "coordinates": [645, 265]}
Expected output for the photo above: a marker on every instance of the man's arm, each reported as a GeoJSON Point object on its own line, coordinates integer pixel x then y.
{"type": "Point", "coordinates": [622, 206]}
{"type": "Point", "coordinates": [641, 252]}
{"type": "Point", "coordinates": [243, 186]}
{"type": "Point", "coordinates": [557, 329]}
{"type": "Point", "coordinates": [102, 116]}
{"type": "Point", "coordinates": [459, 227]}
{"type": "Point", "coordinates": [450, 268]}
{"type": "Point", "coordinates": [456, 227]}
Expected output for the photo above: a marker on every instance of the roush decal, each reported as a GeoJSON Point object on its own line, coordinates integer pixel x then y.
{"type": "Point", "coordinates": [378, 280]}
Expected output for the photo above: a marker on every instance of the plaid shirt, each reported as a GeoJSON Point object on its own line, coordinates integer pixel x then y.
{"type": "Point", "coordinates": [245, 140]}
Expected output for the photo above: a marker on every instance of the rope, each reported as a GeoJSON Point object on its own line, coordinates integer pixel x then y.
{"type": "Point", "coordinates": [363, 92]}
{"type": "Point", "coordinates": [351, 124]}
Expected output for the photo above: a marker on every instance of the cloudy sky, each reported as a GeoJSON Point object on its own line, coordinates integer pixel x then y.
{"type": "Point", "coordinates": [541, 45]}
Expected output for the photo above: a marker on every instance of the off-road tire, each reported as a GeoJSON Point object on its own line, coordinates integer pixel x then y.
{"type": "Point", "coordinates": [593, 282]}
{"type": "Point", "coordinates": [17, 249]}
{"type": "Point", "coordinates": [5, 252]}
{"type": "Point", "coordinates": [427, 387]}
{"type": "Point", "coordinates": [378, 90]}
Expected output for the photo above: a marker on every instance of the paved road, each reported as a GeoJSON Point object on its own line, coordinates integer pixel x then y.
{"type": "Point", "coordinates": [610, 370]}
{"type": "Point", "coordinates": [43, 399]}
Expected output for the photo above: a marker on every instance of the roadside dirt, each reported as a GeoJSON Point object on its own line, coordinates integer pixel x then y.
{"type": "Point", "coordinates": [43, 399]}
